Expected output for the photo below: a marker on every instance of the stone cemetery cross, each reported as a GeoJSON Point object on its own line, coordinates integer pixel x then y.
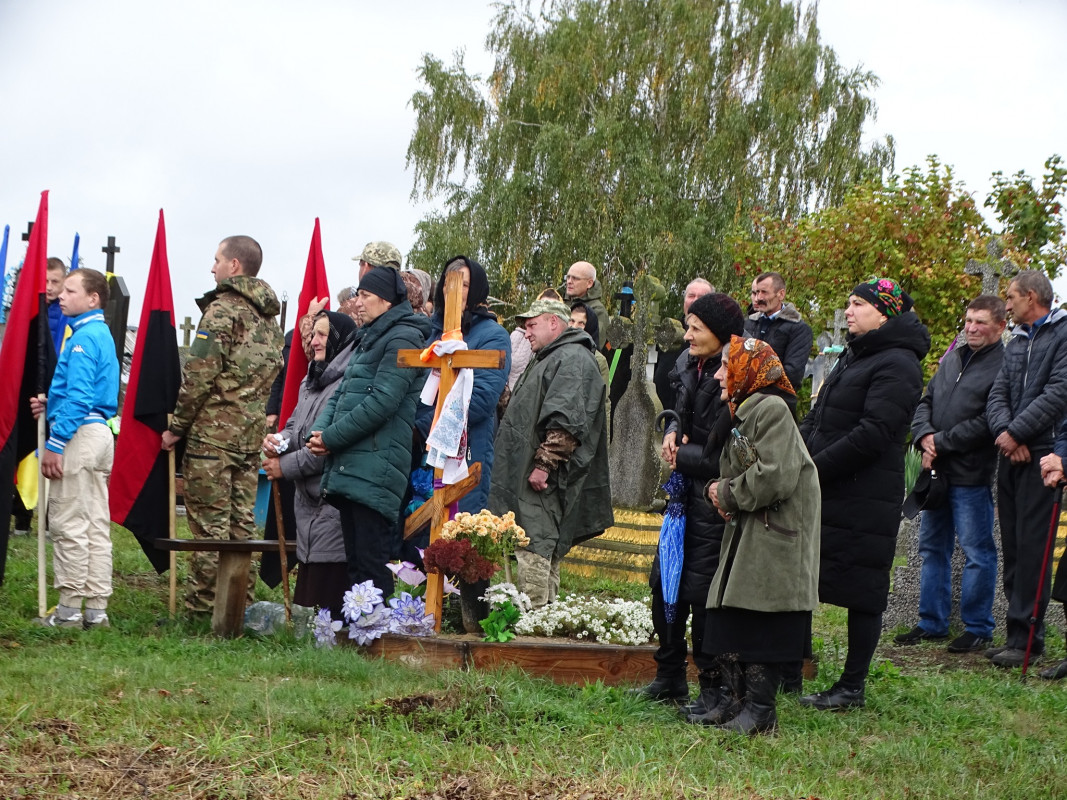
{"type": "Point", "coordinates": [438, 509]}
{"type": "Point", "coordinates": [187, 328]}
{"type": "Point", "coordinates": [992, 270]}
{"type": "Point", "coordinates": [111, 249]}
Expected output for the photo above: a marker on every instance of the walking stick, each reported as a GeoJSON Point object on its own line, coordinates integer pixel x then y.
{"type": "Point", "coordinates": [1053, 524]}
{"type": "Point", "coordinates": [283, 556]}
{"type": "Point", "coordinates": [42, 514]}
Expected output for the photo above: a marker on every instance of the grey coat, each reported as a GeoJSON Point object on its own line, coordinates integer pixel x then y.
{"type": "Point", "coordinates": [770, 550]}
{"type": "Point", "coordinates": [318, 524]}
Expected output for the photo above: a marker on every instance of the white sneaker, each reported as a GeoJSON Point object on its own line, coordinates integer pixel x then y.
{"type": "Point", "coordinates": [20, 532]}
{"type": "Point", "coordinates": [97, 622]}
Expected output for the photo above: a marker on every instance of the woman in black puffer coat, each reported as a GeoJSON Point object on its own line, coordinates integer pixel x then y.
{"type": "Point", "coordinates": [692, 446]}
{"type": "Point", "coordinates": [855, 434]}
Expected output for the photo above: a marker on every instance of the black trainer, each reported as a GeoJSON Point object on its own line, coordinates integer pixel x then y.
{"type": "Point", "coordinates": [968, 643]}
{"type": "Point", "coordinates": [918, 634]}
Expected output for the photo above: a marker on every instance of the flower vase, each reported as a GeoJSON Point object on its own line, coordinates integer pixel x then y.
{"type": "Point", "coordinates": [473, 607]}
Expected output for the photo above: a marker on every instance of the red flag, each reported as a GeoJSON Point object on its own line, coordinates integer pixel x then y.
{"type": "Point", "coordinates": [315, 286]}
{"type": "Point", "coordinates": [139, 489]}
{"type": "Point", "coordinates": [25, 366]}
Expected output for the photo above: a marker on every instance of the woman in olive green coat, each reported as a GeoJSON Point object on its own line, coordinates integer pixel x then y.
{"type": "Point", "coordinates": [766, 585]}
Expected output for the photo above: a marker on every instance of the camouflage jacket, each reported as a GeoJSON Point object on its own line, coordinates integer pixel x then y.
{"type": "Point", "coordinates": [232, 362]}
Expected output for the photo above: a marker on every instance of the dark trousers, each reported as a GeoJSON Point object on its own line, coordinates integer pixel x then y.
{"type": "Point", "coordinates": [864, 629]}
{"type": "Point", "coordinates": [670, 655]}
{"type": "Point", "coordinates": [1024, 505]}
{"type": "Point", "coordinates": [370, 543]}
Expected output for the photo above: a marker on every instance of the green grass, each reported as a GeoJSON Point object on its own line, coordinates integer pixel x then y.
{"type": "Point", "coordinates": [149, 710]}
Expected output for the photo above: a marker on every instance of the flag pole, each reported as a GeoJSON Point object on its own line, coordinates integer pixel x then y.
{"type": "Point", "coordinates": [283, 556]}
{"type": "Point", "coordinates": [42, 515]}
{"type": "Point", "coordinates": [172, 578]}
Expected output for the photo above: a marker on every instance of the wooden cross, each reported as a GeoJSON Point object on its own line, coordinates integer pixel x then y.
{"type": "Point", "coordinates": [29, 229]}
{"type": "Point", "coordinates": [993, 269]}
{"type": "Point", "coordinates": [111, 249]}
{"type": "Point", "coordinates": [187, 328]}
{"type": "Point", "coordinates": [438, 509]}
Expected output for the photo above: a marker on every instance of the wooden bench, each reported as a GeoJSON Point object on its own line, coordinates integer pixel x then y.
{"type": "Point", "coordinates": [231, 585]}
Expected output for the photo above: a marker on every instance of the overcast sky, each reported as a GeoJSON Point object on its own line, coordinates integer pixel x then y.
{"type": "Point", "coordinates": [257, 117]}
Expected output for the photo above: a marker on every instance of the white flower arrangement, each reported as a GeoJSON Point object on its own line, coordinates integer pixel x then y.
{"type": "Point", "coordinates": [611, 621]}
{"type": "Point", "coordinates": [500, 593]}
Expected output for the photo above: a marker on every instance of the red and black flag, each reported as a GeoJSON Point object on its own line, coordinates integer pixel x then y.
{"type": "Point", "coordinates": [140, 479]}
{"type": "Point", "coordinates": [296, 368]}
{"type": "Point", "coordinates": [27, 360]}
{"type": "Point", "coordinates": [315, 286]}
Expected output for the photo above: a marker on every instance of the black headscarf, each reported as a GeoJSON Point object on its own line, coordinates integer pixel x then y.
{"type": "Point", "coordinates": [477, 294]}
{"type": "Point", "coordinates": [342, 327]}
{"type": "Point", "coordinates": [592, 324]}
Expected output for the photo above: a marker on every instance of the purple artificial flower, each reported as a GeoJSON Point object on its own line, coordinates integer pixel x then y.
{"type": "Point", "coordinates": [409, 616]}
{"type": "Point", "coordinates": [407, 572]}
{"type": "Point", "coordinates": [361, 599]}
{"type": "Point", "coordinates": [325, 629]}
{"type": "Point", "coordinates": [368, 627]}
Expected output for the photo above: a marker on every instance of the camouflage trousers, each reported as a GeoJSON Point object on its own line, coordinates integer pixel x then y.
{"type": "Point", "coordinates": [538, 577]}
{"type": "Point", "coordinates": [220, 499]}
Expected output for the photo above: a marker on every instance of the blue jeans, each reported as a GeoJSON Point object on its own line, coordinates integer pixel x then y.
{"type": "Point", "coordinates": [968, 515]}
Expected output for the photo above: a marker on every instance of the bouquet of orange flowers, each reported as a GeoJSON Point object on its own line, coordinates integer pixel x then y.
{"type": "Point", "coordinates": [471, 546]}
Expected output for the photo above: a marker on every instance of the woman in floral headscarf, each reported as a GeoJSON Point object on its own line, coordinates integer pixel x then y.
{"type": "Point", "coordinates": [855, 433]}
{"type": "Point", "coordinates": [765, 587]}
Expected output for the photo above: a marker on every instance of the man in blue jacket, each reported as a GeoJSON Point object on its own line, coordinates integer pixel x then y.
{"type": "Point", "coordinates": [951, 432]}
{"type": "Point", "coordinates": [1027, 402]}
{"type": "Point", "coordinates": [77, 457]}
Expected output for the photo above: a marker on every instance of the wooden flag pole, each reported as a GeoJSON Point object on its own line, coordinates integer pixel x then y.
{"type": "Point", "coordinates": [172, 525]}
{"type": "Point", "coordinates": [42, 513]}
{"type": "Point", "coordinates": [283, 556]}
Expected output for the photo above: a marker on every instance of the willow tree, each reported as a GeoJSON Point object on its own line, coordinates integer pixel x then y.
{"type": "Point", "coordinates": [630, 132]}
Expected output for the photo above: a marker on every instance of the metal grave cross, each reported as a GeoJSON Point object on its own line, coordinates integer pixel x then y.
{"type": "Point", "coordinates": [992, 270]}
{"type": "Point", "coordinates": [29, 230]}
{"type": "Point", "coordinates": [111, 249]}
{"type": "Point", "coordinates": [438, 509]}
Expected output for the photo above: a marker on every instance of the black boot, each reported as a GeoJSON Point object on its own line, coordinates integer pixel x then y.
{"type": "Point", "coordinates": [710, 690]}
{"type": "Point", "coordinates": [792, 677]}
{"type": "Point", "coordinates": [730, 697]}
{"type": "Point", "coordinates": [667, 689]}
{"type": "Point", "coordinates": [757, 713]}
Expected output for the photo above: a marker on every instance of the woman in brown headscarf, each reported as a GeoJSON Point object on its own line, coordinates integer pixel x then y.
{"type": "Point", "coordinates": [766, 585]}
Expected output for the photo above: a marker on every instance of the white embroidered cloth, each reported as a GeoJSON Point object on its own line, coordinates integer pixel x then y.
{"type": "Point", "coordinates": [445, 442]}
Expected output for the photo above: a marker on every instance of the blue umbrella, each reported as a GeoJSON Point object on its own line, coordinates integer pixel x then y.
{"type": "Point", "coordinates": [672, 543]}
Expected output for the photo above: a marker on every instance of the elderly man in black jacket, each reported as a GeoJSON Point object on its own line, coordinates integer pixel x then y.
{"type": "Point", "coordinates": [951, 432]}
{"type": "Point", "coordinates": [1027, 402]}
{"type": "Point", "coordinates": [779, 324]}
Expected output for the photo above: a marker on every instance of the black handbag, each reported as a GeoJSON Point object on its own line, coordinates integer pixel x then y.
{"type": "Point", "coordinates": [930, 491]}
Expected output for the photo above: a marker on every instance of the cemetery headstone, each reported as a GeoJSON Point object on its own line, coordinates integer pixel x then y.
{"type": "Point", "coordinates": [993, 269]}
{"type": "Point", "coordinates": [633, 455]}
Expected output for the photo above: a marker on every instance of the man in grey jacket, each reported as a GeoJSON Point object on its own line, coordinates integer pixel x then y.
{"type": "Point", "coordinates": [951, 432]}
{"type": "Point", "coordinates": [1026, 403]}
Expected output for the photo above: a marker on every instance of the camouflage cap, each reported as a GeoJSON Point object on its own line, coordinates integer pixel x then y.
{"type": "Point", "coordinates": [540, 307]}
{"type": "Point", "coordinates": [381, 254]}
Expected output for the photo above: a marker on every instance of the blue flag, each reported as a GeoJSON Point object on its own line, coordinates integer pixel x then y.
{"type": "Point", "coordinates": [74, 255]}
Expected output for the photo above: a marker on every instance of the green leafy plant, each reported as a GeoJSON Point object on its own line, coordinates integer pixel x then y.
{"type": "Point", "coordinates": [498, 625]}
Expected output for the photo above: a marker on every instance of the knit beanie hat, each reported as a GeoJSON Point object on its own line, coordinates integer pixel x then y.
{"type": "Point", "coordinates": [386, 283]}
{"type": "Point", "coordinates": [721, 314]}
{"type": "Point", "coordinates": [885, 295]}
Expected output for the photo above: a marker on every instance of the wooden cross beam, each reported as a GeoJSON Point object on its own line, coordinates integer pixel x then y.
{"type": "Point", "coordinates": [438, 510]}
{"type": "Point", "coordinates": [111, 249]}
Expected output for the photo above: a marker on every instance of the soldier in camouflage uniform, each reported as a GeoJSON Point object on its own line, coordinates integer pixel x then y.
{"type": "Point", "coordinates": [221, 409]}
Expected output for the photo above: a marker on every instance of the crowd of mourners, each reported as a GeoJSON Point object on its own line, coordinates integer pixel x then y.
{"type": "Point", "coordinates": [781, 512]}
